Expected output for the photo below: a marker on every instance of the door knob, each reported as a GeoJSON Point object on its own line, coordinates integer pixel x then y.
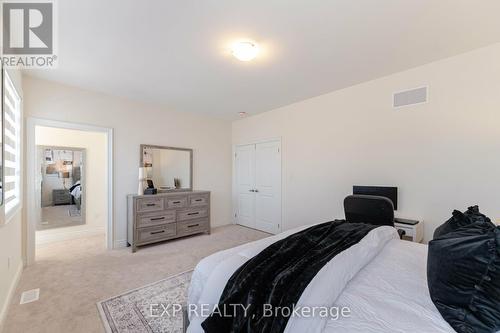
{"type": "Point", "coordinates": [256, 190]}
{"type": "Point", "coordinates": [251, 190]}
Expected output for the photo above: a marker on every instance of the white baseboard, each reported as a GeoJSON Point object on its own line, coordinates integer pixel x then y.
{"type": "Point", "coordinates": [10, 295]}
{"type": "Point", "coordinates": [45, 237]}
{"type": "Point", "coordinates": [120, 244]}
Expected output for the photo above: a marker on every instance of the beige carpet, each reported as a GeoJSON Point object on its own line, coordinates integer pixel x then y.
{"type": "Point", "coordinates": [59, 217]}
{"type": "Point", "coordinates": [74, 275]}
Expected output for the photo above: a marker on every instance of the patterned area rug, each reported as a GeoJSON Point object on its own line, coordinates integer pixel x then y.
{"type": "Point", "coordinates": [147, 309]}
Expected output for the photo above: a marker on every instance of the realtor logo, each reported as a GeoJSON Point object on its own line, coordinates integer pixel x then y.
{"type": "Point", "coordinates": [28, 34]}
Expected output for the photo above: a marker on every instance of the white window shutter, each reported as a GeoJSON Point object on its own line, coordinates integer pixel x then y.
{"type": "Point", "coordinates": [12, 145]}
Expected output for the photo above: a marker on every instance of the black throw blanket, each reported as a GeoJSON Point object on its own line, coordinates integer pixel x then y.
{"type": "Point", "coordinates": [277, 277]}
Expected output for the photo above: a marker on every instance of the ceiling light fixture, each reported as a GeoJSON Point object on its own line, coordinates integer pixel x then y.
{"type": "Point", "coordinates": [242, 114]}
{"type": "Point", "coordinates": [244, 50]}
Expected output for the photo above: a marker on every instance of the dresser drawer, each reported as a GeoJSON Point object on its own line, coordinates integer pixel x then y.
{"type": "Point", "coordinates": [179, 202]}
{"type": "Point", "coordinates": [61, 195]}
{"type": "Point", "coordinates": [160, 232]}
{"type": "Point", "coordinates": [151, 219]}
{"type": "Point", "coordinates": [192, 227]}
{"type": "Point", "coordinates": [193, 213]}
{"type": "Point", "coordinates": [198, 200]}
{"type": "Point", "coordinates": [150, 204]}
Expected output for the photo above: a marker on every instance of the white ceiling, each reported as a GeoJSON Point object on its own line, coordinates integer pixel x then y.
{"type": "Point", "coordinates": [174, 53]}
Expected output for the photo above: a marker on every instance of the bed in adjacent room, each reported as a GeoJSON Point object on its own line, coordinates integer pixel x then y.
{"type": "Point", "coordinates": [76, 193]}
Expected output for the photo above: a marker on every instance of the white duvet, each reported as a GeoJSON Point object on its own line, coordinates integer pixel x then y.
{"type": "Point", "coordinates": [77, 191]}
{"type": "Point", "coordinates": [382, 280]}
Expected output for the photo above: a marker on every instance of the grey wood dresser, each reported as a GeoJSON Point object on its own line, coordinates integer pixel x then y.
{"type": "Point", "coordinates": [159, 217]}
{"type": "Point", "coordinates": [61, 197]}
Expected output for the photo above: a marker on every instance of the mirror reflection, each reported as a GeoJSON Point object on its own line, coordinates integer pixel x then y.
{"type": "Point", "coordinates": [168, 168]}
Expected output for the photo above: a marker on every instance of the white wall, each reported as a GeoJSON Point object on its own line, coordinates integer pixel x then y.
{"type": "Point", "coordinates": [11, 249]}
{"type": "Point", "coordinates": [442, 155]}
{"type": "Point", "coordinates": [136, 124]}
{"type": "Point", "coordinates": [95, 172]}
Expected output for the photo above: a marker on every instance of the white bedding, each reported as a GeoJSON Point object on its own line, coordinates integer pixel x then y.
{"type": "Point", "coordinates": [391, 295]}
{"type": "Point", "coordinates": [383, 282]}
{"type": "Point", "coordinates": [77, 191]}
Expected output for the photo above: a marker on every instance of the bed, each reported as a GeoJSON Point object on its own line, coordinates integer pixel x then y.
{"type": "Point", "coordinates": [76, 189]}
{"type": "Point", "coordinates": [386, 291]}
{"type": "Point", "coordinates": [76, 193]}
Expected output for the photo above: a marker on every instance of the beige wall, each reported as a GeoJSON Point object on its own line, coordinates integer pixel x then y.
{"type": "Point", "coordinates": [136, 123]}
{"type": "Point", "coordinates": [11, 249]}
{"type": "Point", "coordinates": [95, 167]}
{"type": "Point", "coordinates": [442, 155]}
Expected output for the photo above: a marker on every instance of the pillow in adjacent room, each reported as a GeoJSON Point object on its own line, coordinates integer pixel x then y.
{"type": "Point", "coordinates": [459, 219]}
{"type": "Point", "coordinates": [463, 274]}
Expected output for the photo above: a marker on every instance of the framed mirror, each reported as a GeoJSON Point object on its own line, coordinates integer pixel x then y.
{"type": "Point", "coordinates": [169, 168]}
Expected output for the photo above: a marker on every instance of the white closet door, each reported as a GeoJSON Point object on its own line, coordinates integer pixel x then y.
{"type": "Point", "coordinates": [268, 186]}
{"type": "Point", "coordinates": [245, 184]}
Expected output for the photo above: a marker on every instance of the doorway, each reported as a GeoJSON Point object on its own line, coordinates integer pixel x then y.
{"type": "Point", "coordinates": [69, 169]}
{"type": "Point", "coordinates": [258, 185]}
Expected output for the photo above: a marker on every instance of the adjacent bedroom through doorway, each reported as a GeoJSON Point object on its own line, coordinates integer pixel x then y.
{"type": "Point", "coordinates": [70, 184]}
{"type": "Point", "coordinates": [62, 181]}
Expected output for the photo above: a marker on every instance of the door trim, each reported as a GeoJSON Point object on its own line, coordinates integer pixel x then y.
{"type": "Point", "coordinates": [31, 124]}
{"type": "Point", "coordinates": [234, 185]}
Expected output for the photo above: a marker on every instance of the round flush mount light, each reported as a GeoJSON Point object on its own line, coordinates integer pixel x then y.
{"type": "Point", "coordinates": [244, 50]}
{"type": "Point", "coordinates": [242, 114]}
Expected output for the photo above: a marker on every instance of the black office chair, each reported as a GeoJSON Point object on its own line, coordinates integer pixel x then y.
{"type": "Point", "coordinates": [370, 209]}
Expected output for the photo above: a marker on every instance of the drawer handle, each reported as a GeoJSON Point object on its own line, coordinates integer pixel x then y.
{"type": "Point", "coordinates": [157, 218]}
{"type": "Point", "coordinates": [194, 213]}
{"type": "Point", "coordinates": [151, 205]}
{"type": "Point", "coordinates": [198, 200]}
{"type": "Point", "coordinates": [193, 225]}
{"type": "Point", "coordinates": [157, 232]}
{"type": "Point", "coordinates": [176, 202]}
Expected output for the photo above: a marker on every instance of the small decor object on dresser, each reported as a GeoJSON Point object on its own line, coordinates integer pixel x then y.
{"type": "Point", "coordinates": [151, 188]}
{"type": "Point", "coordinates": [165, 216]}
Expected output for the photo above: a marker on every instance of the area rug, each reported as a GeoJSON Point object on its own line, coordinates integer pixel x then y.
{"type": "Point", "coordinates": [147, 309]}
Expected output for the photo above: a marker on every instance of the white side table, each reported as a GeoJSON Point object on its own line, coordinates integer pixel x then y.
{"type": "Point", "coordinates": [414, 233]}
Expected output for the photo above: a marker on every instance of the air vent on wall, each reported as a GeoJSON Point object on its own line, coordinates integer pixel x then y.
{"type": "Point", "coordinates": [410, 97]}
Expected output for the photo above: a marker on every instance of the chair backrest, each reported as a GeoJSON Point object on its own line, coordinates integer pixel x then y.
{"type": "Point", "coordinates": [369, 209]}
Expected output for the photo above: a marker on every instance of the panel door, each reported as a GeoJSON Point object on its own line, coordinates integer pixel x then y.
{"type": "Point", "coordinates": [245, 184]}
{"type": "Point", "coordinates": [268, 187]}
